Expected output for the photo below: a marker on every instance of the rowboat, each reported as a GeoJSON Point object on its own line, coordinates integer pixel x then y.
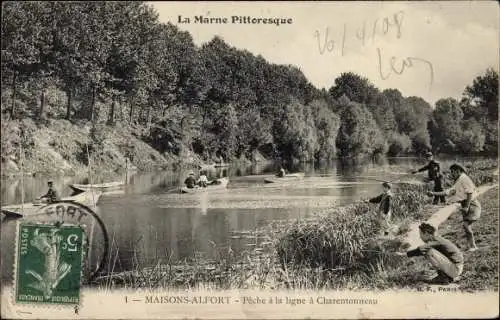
{"type": "Point", "coordinates": [100, 187]}
{"type": "Point", "coordinates": [211, 187]}
{"type": "Point", "coordinates": [221, 165]}
{"type": "Point", "coordinates": [206, 166]}
{"type": "Point", "coordinates": [288, 177]}
{"type": "Point", "coordinates": [86, 198]}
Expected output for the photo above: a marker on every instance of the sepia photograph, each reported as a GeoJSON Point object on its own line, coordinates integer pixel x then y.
{"type": "Point", "coordinates": [249, 160]}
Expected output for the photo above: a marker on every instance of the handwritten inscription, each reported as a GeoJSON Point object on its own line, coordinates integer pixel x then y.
{"type": "Point", "coordinates": [379, 27]}
{"type": "Point", "coordinates": [328, 44]}
{"type": "Point", "coordinates": [366, 34]}
{"type": "Point", "coordinates": [399, 68]}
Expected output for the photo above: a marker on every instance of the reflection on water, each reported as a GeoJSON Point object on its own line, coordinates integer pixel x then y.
{"type": "Point", "coordinates": [147, 224]}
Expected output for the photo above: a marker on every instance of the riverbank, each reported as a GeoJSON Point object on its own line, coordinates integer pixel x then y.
{"type": "Point", "coordinates": [480, 267]}
{"type": "Point", "coordinates": [335, 249]}
{"type": "Point", "coordinates": [63, 148]}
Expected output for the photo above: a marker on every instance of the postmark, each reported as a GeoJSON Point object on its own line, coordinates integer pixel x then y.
{"type": "Point", "coordinates": [74, 213]}
{"type": "Point", "coordinates": [48, 263]}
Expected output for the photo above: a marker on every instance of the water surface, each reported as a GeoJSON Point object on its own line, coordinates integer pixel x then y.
{"type": "Point", "coordinates": [148, 223]}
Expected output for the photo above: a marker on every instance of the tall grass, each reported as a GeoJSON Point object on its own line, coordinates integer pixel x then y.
{"type": "Point", "coordinates": [346, 237]}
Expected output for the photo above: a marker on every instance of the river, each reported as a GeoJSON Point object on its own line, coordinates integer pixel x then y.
{"type": "Point", "coordinates": [146, 224]}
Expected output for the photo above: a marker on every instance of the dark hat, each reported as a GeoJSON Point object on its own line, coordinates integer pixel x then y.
{"type": "Point", "coordinates": [428, 228]}
{"type": "Point", "coordinates": [386, 185]}
{"type": "Point", "coordinates": [428, 154]}
{"type": "Point", "coordinates": [457, 167]}
{"type": "Point", "coordinates": [50, 181]}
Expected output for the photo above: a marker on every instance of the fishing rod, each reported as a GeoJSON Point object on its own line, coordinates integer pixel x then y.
{"type": "Point", "coordinates": [388, 181]}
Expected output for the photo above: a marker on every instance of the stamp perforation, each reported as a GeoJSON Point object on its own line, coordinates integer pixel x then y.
{"type": "Point", "coordinates": [43, 305]}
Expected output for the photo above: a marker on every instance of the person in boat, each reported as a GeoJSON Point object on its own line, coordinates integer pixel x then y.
{"type": "Point", "coordinates": [464, 191]}
{"type": "Point", "coordinates": [52, 195]}
{"type": "Point", "coordinates": [190, 181]}
{"type": "Point", "coordinates": [433, 174]}
{"type": "Point", "coordinates": [385, 206]}
{"type": "Point", "coordinates": [442, 254]}
{"type": "Point", "coordinates": [281, 172]}
{"type": "Point", "coordinates": [203, 181]}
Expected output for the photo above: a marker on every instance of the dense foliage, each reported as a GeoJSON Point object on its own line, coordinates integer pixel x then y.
{"type": "Point", "coordinates": [114, 62]}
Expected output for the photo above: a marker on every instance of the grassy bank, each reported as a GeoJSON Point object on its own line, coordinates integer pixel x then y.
{"type": "Point", "coordinates": [61, 147]}
{"type": "Point", "coordinates": [481, 267]}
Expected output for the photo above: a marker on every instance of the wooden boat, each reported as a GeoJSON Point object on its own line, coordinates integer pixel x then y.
{"type": "Point", "coordinates": [211, 187]}
{"type": "Point", "coordinates": [288, 177]}
{"type": "Point", "coordinates": [221, 165]}
{"type": "Point", "coordinates": [86, 198]}
{"type": "Point", "coordinates": [100, 186]}
{"type": "Point", "coordinates": [206, 166]}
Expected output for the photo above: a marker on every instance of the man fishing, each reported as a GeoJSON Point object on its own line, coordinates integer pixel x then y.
{"type": "Point", "coordinates": [442, 254]}
{"type": "Point", "coordinates": [385, 206]}
{"type": "Point", "coordinates": [463, 191]}
{"type": "Point", "coordinates": [434, 174]}
{"type": "Point", "coordinates": [52, 195]}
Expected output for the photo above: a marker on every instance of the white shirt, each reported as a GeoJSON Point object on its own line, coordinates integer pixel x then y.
{"type": "Point", "coordinates": [203, 178]}
{"type": "Point", "coordinates": [461, 188]}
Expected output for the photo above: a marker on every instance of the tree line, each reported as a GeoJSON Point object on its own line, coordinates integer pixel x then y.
{"type": "Point", "coordinates": [114, 63]}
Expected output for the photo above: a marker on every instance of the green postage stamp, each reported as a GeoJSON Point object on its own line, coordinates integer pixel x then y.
{"type": "Point", "coordinates": [49, 262]}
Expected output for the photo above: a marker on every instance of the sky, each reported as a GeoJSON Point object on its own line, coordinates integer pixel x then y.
{"type": "Point", "coordinates": [428, 49]}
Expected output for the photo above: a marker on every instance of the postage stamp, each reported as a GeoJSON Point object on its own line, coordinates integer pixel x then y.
{"type": "Point", "coordinates": [49, 263]}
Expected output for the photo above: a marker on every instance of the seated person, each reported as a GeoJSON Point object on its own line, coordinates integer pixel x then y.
{"type": "Point", "coordinates": [203, 181]}
{"type": "Point", "coordinates": [190, 181]}
{"type": "Point", "coordinates": [281, 173]}
{"type": "Point", "coordinates": [52, 195]}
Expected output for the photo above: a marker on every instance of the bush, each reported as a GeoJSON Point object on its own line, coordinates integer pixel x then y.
{"type": "Point", "coordinates": [398, 144]}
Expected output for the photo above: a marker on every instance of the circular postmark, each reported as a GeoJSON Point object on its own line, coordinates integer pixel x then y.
{"type": "Point", "coordinates": [74, 213]}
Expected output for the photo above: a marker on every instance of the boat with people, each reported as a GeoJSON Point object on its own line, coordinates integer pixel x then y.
{"type": "Point", "coordinates": [286, 178]}
{"type": "Point", "coordinates": [87, 198]}
{"type": "Point", "coordinates": [218, 184]}
{"type": "Point", "coordinates": [108, 186]}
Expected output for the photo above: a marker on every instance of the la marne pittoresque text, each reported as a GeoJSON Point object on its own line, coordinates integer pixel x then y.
{"type": "Point", "coordinates": [233, 20]}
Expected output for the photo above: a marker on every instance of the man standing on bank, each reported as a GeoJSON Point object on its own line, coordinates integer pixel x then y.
{"type": "Point", "coordinates": [434, 174]}
{"type": "Point", "coordinates": [465, 192]}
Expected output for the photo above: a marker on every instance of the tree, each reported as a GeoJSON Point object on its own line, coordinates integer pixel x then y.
{"type": "Point", "coordinates": [358, 134]}
{"type": "Point", "coordinates": [482, 96]}
{"type": "Point", "coordinates": [294, 133]}
{"type": "Point", "coordinates": [253, 131]}
{"type": "Point", "coordinates": [480, 102]}
{"type": "Point", "coordinates": [356, 88]}
{"type": "Point", "coordinates": [446, 126]}
{"type": "Point", "coordinates": [472, 137]}
{"type": "Point", "coordinates": [24, 49]}
{"type": "Point", "coordinates": [219, 134]}
{"type": "Point", "coordinates": [327, 124]}
{"type": "Point", "coordinates": [398, 144]}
